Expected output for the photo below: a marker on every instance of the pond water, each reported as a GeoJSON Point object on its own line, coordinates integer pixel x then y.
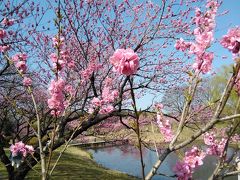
{"type": "Point", "coordinates": [125, 158]}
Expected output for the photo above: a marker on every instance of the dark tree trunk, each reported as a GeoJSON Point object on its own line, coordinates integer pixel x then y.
{"type": "Point", "coordinates": [21, 172]}
{"type": "Point", "coordinates": [4, 158]}
{"type": "Point", "coordinates": [16, 175]}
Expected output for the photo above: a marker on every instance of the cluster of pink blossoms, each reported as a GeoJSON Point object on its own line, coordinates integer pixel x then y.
{"type": "Point", "coordinates": [3, 34]}
{"type": "Point", "coordinates": [57, 87]}
{"type": "Point", "coordinates": [57, 101]}
{"type": "Point", "coordinates": [27, 81]}
{"type": "Point", "coordinates": [105, 101]}
{"type": "Point", "coordinates": [20, 62]}
{"type": "Point", "coordinates": [92, 67]}
{"type": "Point", "coordinates": [7, 22]}
{"type": "Point", "coordinates": [215, 147]}
{"type": "Point", "coordinates": [158, 106]}
{"type": "Point", "coordinates": [64, 59]}
{"type": "Point", "coordinates": [231, 40]}
{"type": "Point", "coordinates": [125, 61]}
{"type": "Point", "coordinates": [192, 159]}
{"type": "Point", "coordinates": [236, 138]}
{"type": "Point", "coordinates": [205, 23]}
{"type": "Point", "coordinates": [18, 59]}
{"type": "Point", "coordinates": [182, 45]}
{"type": "Point", "coordinates": [163, 124]}
{"type": "Point", "coordinates": [19, 151]}
{"type": "Point", "coordinates": [58, 41]}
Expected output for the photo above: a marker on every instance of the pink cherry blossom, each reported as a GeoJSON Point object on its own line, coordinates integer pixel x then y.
{"type": "Point", "coordinates": [209, 138]}
{"type": "Point", "coordinates": [56, 101]}
{"type": "Point", "coordinates": [204, 39]}
{"type": "Point", "coordinates": [236, 138]}
{"type": "Point", "coordinates": [58, 42]}
{"type": "Point", "coordinates": [107, 109]}
{"type": "Point", "coordinates": [108, 96]}
{"type": "Point", "coordinates": [193, 158]}
{"type": "Point", "coordinates": [54, 57]}
{"type": "Point", "coordinates": [17, 148]}
{"type": "Point", "coordinates": [71, 64]}
{"type": "Point", "coordinates": [93, 66]}
{"type": "Point", "coordinates": [4, 48]}
{"type": "Point", "coordinates": [158, 106]}
{"type": "Point", "coordinates": [197, 12]}
{"type": "Point", "coordinates": [96, 101]}
{"type": "Point", "coordinates": [205, 63]}
{"type": "Point", "coordinates": [125, 61]}
{"type": "Point", "coordinates": [7, 22]}
{"type": "Point", "coordinates": [29, 149]}
{"type": "Point", "coordinates": [58, 63]}
{"type": "Point", "coordinates": [62, 59]}
{"type": "Point", "coordinates": [165, 127]}
{"type": "Point", "coordinates": [104, 102]}
{"type": "Point", "coordinates": [215, 147]}
{"type": "Point", "coordinates": [21, 66]}
{"type": "Point", "coordinates": [3, 34]}
{"type": "Point", "coordinates": [27, 81]}
{"type": "Point", "coordinates": [182, 45]}
{"type": "Point", "coordinates": [183, 171]}
{"type": "Point", "coordinates": [19, 57]}
{"type": "Point", "coordinates": [231, 40]}
{"type": "Point", "coordinates": [69, 89]}
{"type": "Point", "coordinates": [90, 110]}
{"type": "Point", "coordinates": [21, 149]}
{"type": "Point", "coordinates": [205, 23]}
{"type": "Point", "coordinates": [20, 61]}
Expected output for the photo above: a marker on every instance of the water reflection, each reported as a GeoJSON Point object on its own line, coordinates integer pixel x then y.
{"type": "Point", "coordinates": [125, 158]}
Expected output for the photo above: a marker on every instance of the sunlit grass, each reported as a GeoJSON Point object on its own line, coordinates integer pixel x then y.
{"type": "Point", "coordinates": [74, 164]}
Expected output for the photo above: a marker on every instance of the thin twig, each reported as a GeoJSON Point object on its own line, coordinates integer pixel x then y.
{"type": "Point", "coordinates": [65, 147]}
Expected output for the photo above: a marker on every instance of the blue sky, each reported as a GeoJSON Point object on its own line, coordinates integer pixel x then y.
{"type": "Point", "coordinates": [229, 20]}
{"type": "Point", "coordinates": [225, 22]}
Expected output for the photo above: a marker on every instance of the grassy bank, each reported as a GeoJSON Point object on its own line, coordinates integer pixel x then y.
{"type": "Point", "coordinates": [151, 134]}
{"type": "Point", "coordinates": [148, 135]}
{"type": "Point", "coordinates": [75, 164]}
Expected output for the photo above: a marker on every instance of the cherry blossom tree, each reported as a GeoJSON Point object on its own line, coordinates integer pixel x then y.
{"type": "Point", "coordinates": [92, 62]}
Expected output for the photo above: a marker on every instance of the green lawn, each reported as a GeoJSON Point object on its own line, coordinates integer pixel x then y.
{"type": "Point", "coordinates": [76, 164]}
